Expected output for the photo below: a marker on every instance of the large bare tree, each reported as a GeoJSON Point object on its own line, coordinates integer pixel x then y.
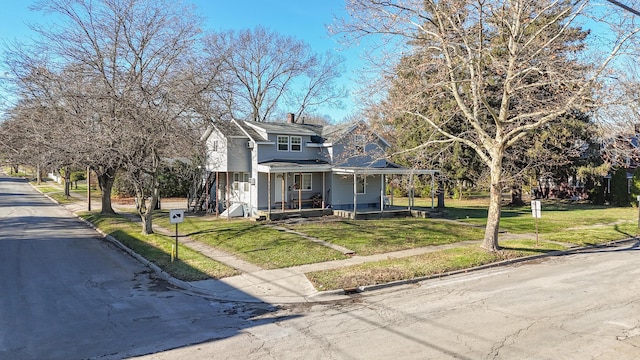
{"type": "Point", "coordinates": [532, 54]}
{"type": "Point", "coordinates": [267, 73]}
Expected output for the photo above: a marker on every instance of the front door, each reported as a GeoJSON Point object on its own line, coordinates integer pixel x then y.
{"type": "Point", "coordinates": [279, 184]}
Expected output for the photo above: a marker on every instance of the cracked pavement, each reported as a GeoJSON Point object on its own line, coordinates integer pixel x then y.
{"type": "Point", "coordinates": [580, 306]}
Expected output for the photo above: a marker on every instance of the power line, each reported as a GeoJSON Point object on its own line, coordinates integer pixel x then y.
{"type": "Point", "coordinates": [629, 9]}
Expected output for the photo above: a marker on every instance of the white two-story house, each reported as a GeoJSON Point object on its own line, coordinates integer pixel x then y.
{"type": "Point", "coordinates": [258, 168]}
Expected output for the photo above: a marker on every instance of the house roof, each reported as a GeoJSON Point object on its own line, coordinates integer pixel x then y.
{"type": "Point", "coordinates": [253, 134]}
{"type": "Point", "coordinates": [227, 128]}
{"type": "Point", "coordinates": [286, 128]}
{"type": "Point", "coordinates": [257, 131]}
{"type": "Point", "coordinates": [334, 133]}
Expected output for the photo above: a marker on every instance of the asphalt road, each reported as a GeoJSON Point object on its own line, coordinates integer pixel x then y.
{"type": "Point", "coordinates": [66, 293]}
{"type": "Point", "coordinates": [578, 306]}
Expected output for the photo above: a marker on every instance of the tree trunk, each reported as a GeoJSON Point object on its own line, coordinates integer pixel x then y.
{"type": "Point", "coordinates": [105, 180]}
{"type": "Point", "coordinates": [146, 213]}
{"type": "Point", "coordinates": [147, 221]}
{"type": "Point", "coordinates": [516, 195]}
{"type": "Point", "coordinates": [490, 242]}
{"type": "Point", "coordinates": [67, 182]}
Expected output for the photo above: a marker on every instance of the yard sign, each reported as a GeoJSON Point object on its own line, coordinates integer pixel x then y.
{"type": "Point", "coordinates": [536, 211]}
{"type": "Point", "coordinates": [176, 216]}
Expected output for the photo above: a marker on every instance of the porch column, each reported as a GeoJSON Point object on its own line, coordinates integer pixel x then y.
{"type": "Point", "coordinates": [228, 196]}
{"type": "Point", "coordinates": [269, 193]}
{"type": "Point", "coordinates": [324, 178]}
{"type": "Point", "coordinates": [355, 194]}
{"type": "Point", "coordinates": [285, 196]}
{"type": "Point", "coordinates": [432, 189]}
{"type": "Point", "coordinates": [217, 197]}
{"type": "Point", "coordinates": [381, 192]}
{"type": "Point", "coordinates": [392, 182]}
{"type": "Point", "coordinates": [410, 192]}
{"type": "Point", "coordinates": [208, 198]}
{"type": "Point", "coordinates": [299, 191]}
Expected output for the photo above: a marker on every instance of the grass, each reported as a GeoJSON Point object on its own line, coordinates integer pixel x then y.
{"type": "Point", "coordinates": [368, 237]}
{"type": "Point", "coordinates": [190, 266]}
{"type": "Point", "coordinates": [253, 242]}
{"type": "Point", "coordinates": [54, 191]}
{"type": "Point", "coordinates": [430, 264]}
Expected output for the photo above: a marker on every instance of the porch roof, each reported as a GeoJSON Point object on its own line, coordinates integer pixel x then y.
{"type": "Point", "coordinates": [279, 166]}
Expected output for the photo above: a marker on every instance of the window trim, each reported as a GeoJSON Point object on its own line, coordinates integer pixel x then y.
{"type": "Point", "coordinates": [291, 143]}
{"type": "Point", "coordinates": [245, 182]}
{"type": "Point", "coordinates": [278, 143]}
{"type": "Point", "coordinates": [302, 182]}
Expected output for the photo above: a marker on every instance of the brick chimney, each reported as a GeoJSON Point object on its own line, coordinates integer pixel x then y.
{"type": "Point", "coordinates": [291, 118]}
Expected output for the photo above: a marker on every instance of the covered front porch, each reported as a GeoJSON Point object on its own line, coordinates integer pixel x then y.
{"type": "Point", "coordinates": [311, 190]}
{"type": "Point", "coordinates": [292, 186]}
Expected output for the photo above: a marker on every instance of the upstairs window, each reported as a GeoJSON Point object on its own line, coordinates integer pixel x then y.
{"type": "Point", "coordinates": [214, 146]}
{"type": "Point", "coordinates": [296, 143]}
{"type": "Point", "coordinates": [283, 143]}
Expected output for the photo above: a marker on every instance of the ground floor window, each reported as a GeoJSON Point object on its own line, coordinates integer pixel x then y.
{"type": "Point", "coordinates": [304, 184]}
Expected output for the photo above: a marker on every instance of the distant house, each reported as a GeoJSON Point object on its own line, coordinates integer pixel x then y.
{"type": "Point", "coordinates": [257, 168]}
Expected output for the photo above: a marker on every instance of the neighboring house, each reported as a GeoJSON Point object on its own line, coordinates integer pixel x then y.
{"type": "Point", "coordinates": [256, 168]}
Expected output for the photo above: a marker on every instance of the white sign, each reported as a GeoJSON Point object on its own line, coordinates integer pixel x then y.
{"type": "Point", "coordinates": [176, 216]}
{"type": "Point", "coordinates": [536, 209]}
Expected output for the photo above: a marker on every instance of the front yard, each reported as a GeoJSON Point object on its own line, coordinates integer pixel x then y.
{"type": "Point", "coordinates": [562, 226]}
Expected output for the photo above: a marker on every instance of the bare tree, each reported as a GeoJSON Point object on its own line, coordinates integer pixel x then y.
{"type": "Point", "coordinates": [125, 83]}
{"type": "Point", "coordinates": [266, 73]}
{"type": "Point", "coordinates": [532, 54]}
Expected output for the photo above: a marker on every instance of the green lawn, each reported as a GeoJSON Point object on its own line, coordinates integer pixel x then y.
{"type": "Point", "coordinates": [253, 241]}
{"type": "Point", "coordinates": [368, 237]}
{"type": "Point", "coordinates": [190, 266]}
{"type": "Point", "coordinates": [430, 264]}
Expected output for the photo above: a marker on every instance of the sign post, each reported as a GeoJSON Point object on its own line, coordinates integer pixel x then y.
{"type": "Point", "coordinates": [175, 217]}
{"type": "Point", "coordinates": [536, 211]}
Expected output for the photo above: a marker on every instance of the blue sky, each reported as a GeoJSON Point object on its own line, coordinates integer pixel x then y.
{"type": "Point", "coordinates": [305, 20]}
